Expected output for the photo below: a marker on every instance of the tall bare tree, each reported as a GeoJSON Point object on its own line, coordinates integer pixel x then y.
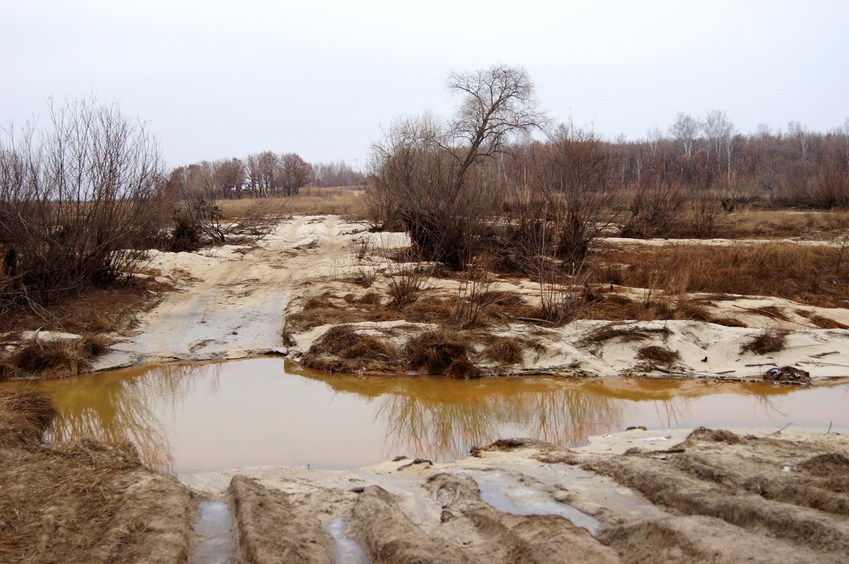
{"type": "Point", "coordinates": [429, 174]}
{"type": "Point", "coordinates": [496, 103]}
{"type": "Point", "coordinates": [720, 134]}
{"type": "Point", "coordinates": [685, 129]}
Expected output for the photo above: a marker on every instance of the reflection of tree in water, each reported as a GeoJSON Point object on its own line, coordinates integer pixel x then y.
{"type": "Point", "coordinates": [440, 418]}
{"type": "Point", "coordinates": [126, 406]}
{"type": "Point", "coordinates": [445, 426]}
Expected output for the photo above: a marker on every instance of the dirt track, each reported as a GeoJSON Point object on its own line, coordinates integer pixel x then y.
{"type": "Point", "coordinates": [230, 302]}
{"type": "Point", "coordinates": [715, 497]}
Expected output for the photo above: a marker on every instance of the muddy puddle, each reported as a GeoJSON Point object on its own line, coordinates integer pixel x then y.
{"type": "Point", "coordinates": [268, 411]}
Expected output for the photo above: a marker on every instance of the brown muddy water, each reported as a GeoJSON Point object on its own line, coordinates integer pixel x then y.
{"type": "Point", "coordinates": [268, 411]}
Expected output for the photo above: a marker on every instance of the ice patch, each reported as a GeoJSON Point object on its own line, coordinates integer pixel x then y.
{"type": "Point", "coordinates": [345, 549]}
{"type": "Point", "coordinates": [216, 528]}
{"type": "Point", "coordinates": [507, 494]}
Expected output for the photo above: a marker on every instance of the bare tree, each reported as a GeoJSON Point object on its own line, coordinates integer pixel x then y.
{"type": "Point", "coordinates": [229, 177]}
{"type": "Point", "coordinates": [720, 133]}
{"type": "Point", "coordinates": [430, 175]}
{"type": "Point", "coordinates": [685, 129]}
{"type": "Point", "coordinates": [496, 103]}
{"type": "Point", "coordinates": [295, 172]}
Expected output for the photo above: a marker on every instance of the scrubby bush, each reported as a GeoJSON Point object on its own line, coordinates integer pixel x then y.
{"type": "Point", "coordinates": [76, 198]}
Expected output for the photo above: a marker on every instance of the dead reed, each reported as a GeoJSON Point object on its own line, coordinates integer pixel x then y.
{"type": "Point", "coordinates": [802, 273]}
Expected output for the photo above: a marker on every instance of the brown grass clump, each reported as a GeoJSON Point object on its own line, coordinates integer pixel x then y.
{"type": "Point", "coordinates": [658, 356]}
{"type": "Point", "coordinates": [68, 355]}
{"type": "Point", "coordinates": [504, 351]}
{"type": "Point", "coordinates": [728, 322]}
{"type": "Point", "coordinates": [345, 342]}
{"type": "Point", "coordinates": [437, 350]}
{"type": "Point", "coordinates": [323, 310]}
{"type": "Point", "coordinates": [626, 334]}
{"type": "Point", "coordinates": [769, 341]}
{"type": "Point", "coordinates": [24, 416]}
{"type": "Point", "coordinates": [821, 321]}
{"type": "Point", "coordinates": [463, 369]}
{"type": "Point", "coordinates": [342, 349]}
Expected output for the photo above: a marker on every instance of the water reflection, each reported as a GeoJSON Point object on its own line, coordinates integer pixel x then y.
{"type": "Point", "coordinates": [127, 406]}
{"type": "Point", "coordinates": [267, 411]}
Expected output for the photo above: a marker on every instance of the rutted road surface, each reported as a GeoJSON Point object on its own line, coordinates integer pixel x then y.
{"type": "Point", "coordinates": [230, 301]}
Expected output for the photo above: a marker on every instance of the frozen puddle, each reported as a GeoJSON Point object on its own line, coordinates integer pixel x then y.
{"type": "Point", "coordinates": [345, 549]}
{"type": "Point", "coordinates": [506, 493]}
{"type": "Point", "coordinates": [217, 533]}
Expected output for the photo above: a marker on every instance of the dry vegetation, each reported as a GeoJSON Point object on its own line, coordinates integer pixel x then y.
{"type": "Point", "coordinates": [344, 201]}
{"type": "Point", "coordinates": [807, 274]}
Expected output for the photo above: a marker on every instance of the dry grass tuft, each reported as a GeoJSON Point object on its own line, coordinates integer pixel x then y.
{"type": "Point", "coordinates": [342, 349]}
{"type": "Point", "coordinates": [626, 334]}
{"type": "Point", "coordinates": [68, 355]}
{"type": "Point", "coordinates": [437, 350]}
{"type": "Point", "coordinates": [24, 416]}
{"type": "Point", "coordinates": [821, 321]}
{"type": "Point", "coordinates": [504, 351]}
{"type": "Point", "coordinates": [769, 341]}
{"type": "Point", "coordinates": [463, 369]}
{"type": "Point", "coordinates": [658, 356]}
{"type": "Point", "coordinates": [345, 201]}
{"type": "Point", "coordinates": [728, 322]}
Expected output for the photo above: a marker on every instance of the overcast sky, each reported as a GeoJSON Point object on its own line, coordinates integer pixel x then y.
{"type": "Point", "coordinates": [218, 79]}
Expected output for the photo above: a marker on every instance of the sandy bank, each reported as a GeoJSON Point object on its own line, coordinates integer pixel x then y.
{"type": "Point", "coordinates": [234, 302]}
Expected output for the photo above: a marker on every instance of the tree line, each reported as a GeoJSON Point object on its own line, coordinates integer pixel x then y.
{"type": "Point", "coordinates": [259, 175]}
{"type": "Point", "coordinates": [497, 180]}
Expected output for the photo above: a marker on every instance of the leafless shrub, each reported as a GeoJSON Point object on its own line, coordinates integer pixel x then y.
{"type": "Point", "coordinates": [474, 296]}
{"type": "Point", "coordinates": [705, 211]}
{"type": "Point", "coordinates": [407, 284]}
{"type": "Point", "coordinates": [76, 199]}
{"type": "Point", "coordinates": [363, 248]}
{"type": "Point", "coordinates": [654, 210]}
{"type": "Point", "coordinates": [365, 277]}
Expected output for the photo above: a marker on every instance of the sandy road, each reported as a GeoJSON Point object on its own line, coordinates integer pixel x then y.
{"type": "Point", "coordinates": [230, 301]}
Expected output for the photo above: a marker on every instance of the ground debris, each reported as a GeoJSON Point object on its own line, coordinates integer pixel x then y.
{"type": "Point", "coordinates": [789, 374]}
